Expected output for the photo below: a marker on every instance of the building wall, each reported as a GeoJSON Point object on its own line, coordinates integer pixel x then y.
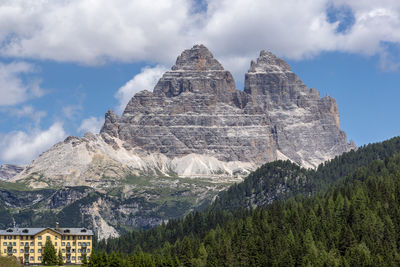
{"type": "Point", "coordinates": [65, 242]}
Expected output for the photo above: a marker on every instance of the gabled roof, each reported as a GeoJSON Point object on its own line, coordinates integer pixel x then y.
{"type": "Point", "coordinates": [34, 231]}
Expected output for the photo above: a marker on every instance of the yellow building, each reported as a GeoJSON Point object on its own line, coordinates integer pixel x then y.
{"type": "Point", "coordinates": [28, 243]}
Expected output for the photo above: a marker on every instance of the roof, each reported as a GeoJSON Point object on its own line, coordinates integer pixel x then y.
{"type": "Point", "coordinates": [34, 231]}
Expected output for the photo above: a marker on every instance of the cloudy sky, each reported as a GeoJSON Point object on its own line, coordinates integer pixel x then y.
{"type": "Point", "coordinates": [64, 63]}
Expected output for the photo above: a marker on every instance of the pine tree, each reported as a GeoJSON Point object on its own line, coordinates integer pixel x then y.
{"type": "Point", "coordinates": [49, 256]}
{"type": "Point", "coordinates": [60, 258]}
{"type": "Point", "coordinates": [84, 260]}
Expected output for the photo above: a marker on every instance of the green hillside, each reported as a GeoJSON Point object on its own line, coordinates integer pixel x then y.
{"type": "Point", "coordinates": [353, 219]}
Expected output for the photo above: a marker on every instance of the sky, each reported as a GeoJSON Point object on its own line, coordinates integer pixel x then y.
{"type": "Point", "coordinates": [64, 63]}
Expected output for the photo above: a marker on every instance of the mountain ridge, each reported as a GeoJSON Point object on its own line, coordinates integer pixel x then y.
{"type": "Point", "coordinates": [174, 149]}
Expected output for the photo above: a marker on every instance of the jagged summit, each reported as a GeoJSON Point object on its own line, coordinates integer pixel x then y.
{"type": "Point", "coordinates": [196, 71]}
{"type": "Point", "coordinates": [198, 58]}
{"type": "Point", "coordinates": [195, 122]}
{"type": "Point", "coordinates": [268, 62]}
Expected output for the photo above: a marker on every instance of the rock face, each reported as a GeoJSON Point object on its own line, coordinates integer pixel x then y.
{"type": "Point", "coordinates": [8, 171]}
{"type": "Point", "coordinates": [196, 109]}
{"type": "Point", "coordinates": [175, 148]}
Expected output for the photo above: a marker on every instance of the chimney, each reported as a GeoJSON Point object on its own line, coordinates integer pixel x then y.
{"type": "Point", "coordinates": [57, 225]}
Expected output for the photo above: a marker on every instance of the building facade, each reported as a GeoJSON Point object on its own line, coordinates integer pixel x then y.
{"type": "Point", "coordinates": [28, 243]}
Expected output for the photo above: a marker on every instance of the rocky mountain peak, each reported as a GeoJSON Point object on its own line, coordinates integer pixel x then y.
{"type": "Point", "coordinates": [268, 62]}
{"type": "Point", "coordinates": [198, 58]}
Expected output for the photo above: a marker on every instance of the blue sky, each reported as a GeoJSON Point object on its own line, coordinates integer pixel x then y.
{"type": "Point", "coordinates": [63, 64]}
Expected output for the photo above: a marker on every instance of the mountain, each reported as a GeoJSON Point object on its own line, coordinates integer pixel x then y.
{"type": "Point", "coordinates": [354, 221]}
{"type": "Point", "coordinates": [175, 148]}
{"type": "Point", "coordinates": [8, 171]}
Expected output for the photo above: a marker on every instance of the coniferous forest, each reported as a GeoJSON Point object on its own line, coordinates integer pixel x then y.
{"type": "Point", "coordinates": [345, 213]}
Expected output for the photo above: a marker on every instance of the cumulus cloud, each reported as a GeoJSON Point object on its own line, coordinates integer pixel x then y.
{"type": "Point", "coordinates": [13, 89]}
{"type": "Point", "coordinates": [20, 147]}
{"type": "Point", "coordinates": [145, 80]}
{"type": "Point", "coordinates": [30, 112]}
{"type": "Point", "coordinates": [91, 124]}
{"type": "Point", "coordinates": [94, 31]}
{"type": "Point", "coordinates": [157, 31]}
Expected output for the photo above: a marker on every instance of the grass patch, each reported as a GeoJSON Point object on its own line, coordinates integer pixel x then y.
{"type": "Point", "coordinates": [14, 186]}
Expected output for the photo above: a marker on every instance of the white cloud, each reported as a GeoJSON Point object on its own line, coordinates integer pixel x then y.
{"type": "Point", "coordinates": [91, 124]}
{"type": "Point", "coordinates": [29, 112]}
{"type": "Point", "coordinates": [72, 111]}
{"type": "Point", "coordinates": [13, 89]}
{"type": "Point", "coordinates": [92, 32]}
{"type": "Point", "coordinates": [145, 80]}
{"type": "Point", "coordinates": [20, 147]}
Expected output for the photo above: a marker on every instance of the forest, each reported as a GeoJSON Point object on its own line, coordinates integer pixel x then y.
{"type": "Point", "coordinates": [345, 213]}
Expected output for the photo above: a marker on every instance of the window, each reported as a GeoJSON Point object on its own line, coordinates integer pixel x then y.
{"type": "Point", "coordinates": [15, 237]}
{"type": "Point", "coordinates": [68, 237]}
{"type": "Point", "coordinates": [56, 237]}
{"type": "Point", "coordinates": [79, 244]}
{"type": "Point", "coordinates": [32, 237]}
{"type": "Point", "coordinates": [55, 244]}
{"type": "Point", "coordinates": [63, 244]}
{"type": "Point", "coordinates": [5, 251]}
{"type": "Point", "coordinates": [63, 258]}
{"type": "Point", "coordinates": [73, 250]}
{"type": "Point", "coordinates": [63, 238]}
{"type": "Point", "coordinates": [9, 237]}
{"type": "Point", "coordinates": [14, 250]}
{"type": "Point", "coordinates": [47, 237]}
{"type": "Point", "coordinates": [22, 251]}
{"type": "Point", "coordinates": [84, 237]}
{"type": "Point", "coordinates": [26, 244]}
{"type": "Point", "coordinates": [31, 258]}
{"type": "Point", "coordinates": [89, 237]}
{"type": "Point", "coordinates": [40, 244]}
{"type": "Point", "coordinates": [79, 250]}
{"type": "Point", "coordinates": [32, 244]}
{"type": "Point", "coordinates": [31, 251]}
{"type": "Point", "coordinates": [63, 250]}
{"type": "Point", "coordinates": [88, 250]}
{"type": "Point", "coordinates": [74, 243]}
{"type": "Point", "coordinates": [73, 258]}
{"type": "Point", "coordinates": [5, 244]}
{"type": "Point", "coordinates": [39, 237]}
{"type": "Point", "coordinates": [21, 244]}
{"type": "Point", "coordinates": [88, 244]}
{"type": "Point", "coordinates": [39, 258]}
{"type": "Point", "coordinates": [80, 237]}
{"type": "Point", "coordinates": [14, 244]}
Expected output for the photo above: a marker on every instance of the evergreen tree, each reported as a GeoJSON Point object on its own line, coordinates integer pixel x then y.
{"type": "Point", "coordinates": [60, 258]}
{"type": "Point", "coordinates": [49, 256]}
{"type": "Point", "coordinates": [84, 260]}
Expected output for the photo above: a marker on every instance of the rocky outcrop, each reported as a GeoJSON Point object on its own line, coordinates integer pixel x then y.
{"type": "Point", "coordinates": [196, 109]}
{"type": "Point", "coordinates": [8, 171]}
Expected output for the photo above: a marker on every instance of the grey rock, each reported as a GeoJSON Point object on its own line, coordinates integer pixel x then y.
{"type": "Point", "coordinates": [196, 108]}
{"type": "Point", "coordinates": [8, 171]}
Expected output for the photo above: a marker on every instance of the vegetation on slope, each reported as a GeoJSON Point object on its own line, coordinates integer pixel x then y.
{"type": "Point", "coordinates": [355, 223]}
